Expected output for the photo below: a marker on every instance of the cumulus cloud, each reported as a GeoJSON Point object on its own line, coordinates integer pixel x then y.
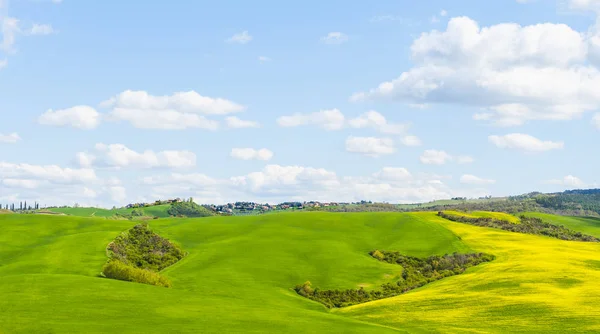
{"type": "Point", "coordinates": [391, 184]}
{"type": "Point", "coordinates": [569, 181]}
{"type": "Point", "coordinates": [515, 73]}
{"type": "Point", "coordinates": [49, 173]}
{"type": "Point", "coordinates": [264, 59]}
{"type": "Point", "coordinates": [334, 38]}
{"type": "Point", "coordinates": [81, 117]}
{"type": "Point", "coordinates": [236, 123]}
{"type": "Point", "coordinates": [475, 180]}
{"type": "Point", "coordinates": [370, 146]}
{"type": "Point", "coordinates": [251, 154]}
{"type": "Point", "coordinates": [524, 142]}
{"type": "Point", "coordinates": [435, 157]}
{"type": "Point", "coordinates": [331, 119]}
{"type": "Point", "coordinates": [181, 110]}
{"type": "Point", "coordinates": [120, 156]}
{"type": "Point", "coordinates": [242, 38]}
{"type": "Point", "coordinates": [10, 138]}
{"type": "Point", "coordinates": [375, 120]}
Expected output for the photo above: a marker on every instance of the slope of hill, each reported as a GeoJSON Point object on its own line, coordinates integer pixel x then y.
{"type": "Point", "coordinates": [240, 273]}
{"type": "Point", "coordinates": [157, 210]}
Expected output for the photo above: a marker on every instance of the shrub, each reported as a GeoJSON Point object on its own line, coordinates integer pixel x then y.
{"type": "Point", "coordinates": [188, 209]}
{"type": "Point", "coordinates": [139, 254]}
{"type": "Point", "coordinates": [118, 270]}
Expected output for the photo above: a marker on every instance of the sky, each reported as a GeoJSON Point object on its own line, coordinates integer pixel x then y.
{"type": "Point", "coordinates": [112, 102]}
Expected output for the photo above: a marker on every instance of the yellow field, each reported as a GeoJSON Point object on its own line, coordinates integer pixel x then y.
{"type": "Point", "coordinates": [535, 284]}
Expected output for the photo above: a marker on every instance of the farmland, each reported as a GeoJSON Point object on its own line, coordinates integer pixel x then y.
{"type": "Point", "coordinates": [240, 273]}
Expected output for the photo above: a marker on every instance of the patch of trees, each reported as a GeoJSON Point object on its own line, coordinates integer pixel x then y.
{"type": "Point", "coordinates": [528, 225]}
{"type": "Point", "coordinates": [139, 254]}
{"type": "Point", "coordinates": [189, 209]}
{"type": "Point", "coordinates": [509, 206]}
{"type": "Point", "coordinates": [365, 207]}
{"type": "Point", "coordinates": [416, 272]}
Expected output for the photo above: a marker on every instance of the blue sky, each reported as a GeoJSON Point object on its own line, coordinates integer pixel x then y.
{"type": "Point", "coordinates": [105, 103]}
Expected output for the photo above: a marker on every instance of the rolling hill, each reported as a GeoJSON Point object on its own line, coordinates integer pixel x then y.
{"type": "Point", "coordinates": [240, 273]}
{"type": "Point", "coordinates": [157, 210]}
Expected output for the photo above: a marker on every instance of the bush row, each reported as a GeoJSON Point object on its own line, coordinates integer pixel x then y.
{"type": "Point", "coordinates": [118, 270]}
{"type": "Point", "coordinates": [529, 225]}
{"type": "Point", "coordinates": [416, 272]}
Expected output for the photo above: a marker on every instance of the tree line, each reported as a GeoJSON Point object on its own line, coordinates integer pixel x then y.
{"type": "Point", "coordinates": [416, 272]}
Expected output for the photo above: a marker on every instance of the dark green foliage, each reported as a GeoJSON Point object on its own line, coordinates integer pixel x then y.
{"type": "Point", "coordinates": [118, 270]}
{"type": "Point", "coordinates": [139, 254]}
{"type": "Point", "coordinates": [508, 206]}
{"type": "Point", "coordinates": [142, 248]}
{"type": "Point", "coordinates": [528, 225]}
{"type": "Point", "coordinates": [137, 213]}
{"type": "Point", "coordinates": [188, 209]}
{"type": "Point", "coordinates": [416, 272]}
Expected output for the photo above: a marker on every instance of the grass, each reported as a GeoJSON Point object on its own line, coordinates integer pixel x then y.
{"type": "Point", "coordinates": [240, 271]}
{"type": "Point", "coordinates": [157, 210]}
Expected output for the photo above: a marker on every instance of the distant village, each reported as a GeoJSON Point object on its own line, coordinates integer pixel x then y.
{"type": "Point", "coordinates": [249, 207]}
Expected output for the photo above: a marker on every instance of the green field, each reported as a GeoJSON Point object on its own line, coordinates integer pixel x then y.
{"type": "Point", "coordinates": [157, 210]}
{"type": "Point", "coordinates": [240, 271]}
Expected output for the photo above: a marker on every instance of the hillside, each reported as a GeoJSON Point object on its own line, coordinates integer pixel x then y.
{"type": "Point", "coordinates": [157, 211]}
{"type": "Point", "coordinates": [240, 273]}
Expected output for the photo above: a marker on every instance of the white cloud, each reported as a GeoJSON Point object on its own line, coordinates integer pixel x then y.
{"type": "Point", "coordinates": [236, 123]}
{"type": "Point", "coordinates": [9, 27]}
{"type": "Point", "coordinates": [410, 140]}
{"type": "Point", "coordinates": [392, 184]}
{"type": "Point", "coordinates": [331, 119]}
{"type": "Point", "coordinates": [120, 156]}
{"type": "Point", "coordinates": [81, 117]}
{"type": "Point", "coordinates": [464, 159]}
{"type": "Point", "coordinates": [585, 5]}
{"type": "Point", "coordinates": [241, 38]}
{"type": "Point", "coordinates": [117, 193]}
{"type": "Point", "coordinates": [370, 146]}
{"type": "Point", "coordinates": [524, 142]}
{"type": "Point", "coordinates": [377, 121]}
{"type": "Point", "coordinates": [517, 73]}
{"type": "Point", "coordinates": [50, 173]}
{"type": "Point", "coordinates": [334, 38]}
{"type": "Point", "coordinates": [263, 59]}
{"type": "Point", "coordinates": [184, 102]}
{"type": "Point", "coordinates": [435, 157]}
{"type": "Point", "coordinates": [251, 154]}
{"type": "Point", "coordinates": [3, 63]}
{"type": "Point", "coordinates": [443, 13]}
{"type": "Point", "coordinates": [472, 179]}
{"type": "Point", "coordinates": [84, 159]}
{"type": "Point", "coordinates": [434, 19]}
{"type": "Point", "coordinates": [41, 29]}
{"type": "Point", "coordinates": [10, 138]}
{"type": "Point", "coordinates": [569, 181]}
{"type": "Point", "coordinates": [182, 110]}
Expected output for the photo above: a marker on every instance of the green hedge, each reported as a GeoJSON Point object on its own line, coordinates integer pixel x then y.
{"type": "Point", "coordinates": [118, 270]}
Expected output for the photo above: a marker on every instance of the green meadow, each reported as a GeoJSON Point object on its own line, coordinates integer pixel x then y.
{"type": "Point", "coordinates": [240, 272]}
{"type": "Point", "coordinates": [156, 210]}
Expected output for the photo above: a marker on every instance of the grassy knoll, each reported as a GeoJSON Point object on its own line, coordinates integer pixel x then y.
{"type": "Point", "coordinates": [240, 273]}
{"type": "Point", "coordinates": [157, 210]}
